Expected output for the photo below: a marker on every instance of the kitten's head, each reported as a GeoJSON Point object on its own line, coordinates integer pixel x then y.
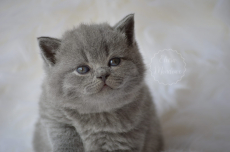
{"type": "Point", "coordinates": [94, 65]}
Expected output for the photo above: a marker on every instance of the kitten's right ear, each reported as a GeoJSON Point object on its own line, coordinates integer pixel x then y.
{"type": "Point", "coordinates": [126, 26]}
{"type": "Point", "coordinates": [49, 47]}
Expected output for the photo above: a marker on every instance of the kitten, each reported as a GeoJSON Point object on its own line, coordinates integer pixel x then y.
{"type": "Point", "coordinates": [94, 98]}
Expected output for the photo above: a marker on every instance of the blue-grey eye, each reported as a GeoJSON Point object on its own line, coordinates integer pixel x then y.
{"type": "Point", "coordinates": [114, 62]}
{"type": "Point", "coordinates": [83, 69]}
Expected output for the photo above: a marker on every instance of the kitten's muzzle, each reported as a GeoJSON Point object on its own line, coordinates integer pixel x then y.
{"type": "Point", "coordinates": [103, 77]}
{"type": "Point", "coordinates": [102, 73]}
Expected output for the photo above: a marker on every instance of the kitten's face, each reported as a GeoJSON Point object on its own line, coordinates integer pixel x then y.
{"type": "Point", "coordinates": [97, 63]}
{"type": "Point", "coordinates": [97, 51]}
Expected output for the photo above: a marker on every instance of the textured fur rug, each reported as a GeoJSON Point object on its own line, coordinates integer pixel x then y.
{"type": "Point", "coordinates": [194, 112]}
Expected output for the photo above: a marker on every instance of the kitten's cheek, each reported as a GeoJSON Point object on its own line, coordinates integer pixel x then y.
{"type": "Point", "coordinates": [115, 84]}
{"type": "Point", "coordinates": [88, 91]}
{"type": "Point", "coordinates": [93, 88]}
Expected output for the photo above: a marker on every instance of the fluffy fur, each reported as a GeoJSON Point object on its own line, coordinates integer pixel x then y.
{"type": "Point", "coordinates": [77, 112]}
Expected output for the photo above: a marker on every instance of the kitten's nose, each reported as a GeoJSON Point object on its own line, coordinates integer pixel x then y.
{"type": "Point", "coordinates": [102, 73]}
{"type": "Point", "coordinates": [103, 77]}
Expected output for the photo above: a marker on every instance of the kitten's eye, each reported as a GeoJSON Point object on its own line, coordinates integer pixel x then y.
{"type": "Point", "coordinates": [83, 69]}
{"type": "Point", "coordinates": [114, 62]}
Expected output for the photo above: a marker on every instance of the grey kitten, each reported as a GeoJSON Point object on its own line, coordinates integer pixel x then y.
{"type": "Point", "coordinates": [94, 98]}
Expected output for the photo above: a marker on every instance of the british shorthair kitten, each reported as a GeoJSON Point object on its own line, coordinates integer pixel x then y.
{"type": "Point", "coordinates": [94, 98]}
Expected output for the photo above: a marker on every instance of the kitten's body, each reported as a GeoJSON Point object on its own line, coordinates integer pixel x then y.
{"type": "Point", "coordinates": [77, 112]}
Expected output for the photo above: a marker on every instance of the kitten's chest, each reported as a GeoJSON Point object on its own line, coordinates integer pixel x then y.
{"type": "Point", "coordinates": [117, 121]}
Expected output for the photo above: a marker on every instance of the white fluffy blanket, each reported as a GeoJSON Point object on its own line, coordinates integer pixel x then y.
{"type": "Point", "coordinates": [194, 112]}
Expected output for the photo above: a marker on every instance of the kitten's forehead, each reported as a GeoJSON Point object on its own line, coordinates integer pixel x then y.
{"type": "Point", "coordinates": [93, 42]}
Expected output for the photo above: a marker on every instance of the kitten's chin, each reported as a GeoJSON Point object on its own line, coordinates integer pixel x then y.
{"type": "Point", "coordinates": [104, 101]}
{"type": "Point", "coordinates": [101, 90]}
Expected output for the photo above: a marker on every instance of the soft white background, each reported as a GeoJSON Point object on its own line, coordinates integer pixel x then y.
{"type": "Point", "coordinates": [195, 112]}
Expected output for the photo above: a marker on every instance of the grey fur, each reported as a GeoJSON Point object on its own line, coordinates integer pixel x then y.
{"type": "Point", "coordinates": [78, 114]}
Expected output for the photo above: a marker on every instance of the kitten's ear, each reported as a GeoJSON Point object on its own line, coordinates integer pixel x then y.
{"type": "Point", "coordinates": [49, 47]}
{"type": "Point", "coordinates": [126, 25]}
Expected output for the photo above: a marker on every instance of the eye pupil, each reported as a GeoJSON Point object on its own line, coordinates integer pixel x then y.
{"type": "Point", "coordinates": [82, 69]}
{"type": "Point", "coordinates": [114, 62]}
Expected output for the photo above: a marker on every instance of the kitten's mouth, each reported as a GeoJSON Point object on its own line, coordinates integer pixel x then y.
{"type": "Point", "coordinates": [105, 87]}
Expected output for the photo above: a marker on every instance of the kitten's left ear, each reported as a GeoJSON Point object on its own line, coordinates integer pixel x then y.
{"type": "Point", "coordinates": [49, 47]}
{"type": "Point", "coordinates": [126, 25]}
